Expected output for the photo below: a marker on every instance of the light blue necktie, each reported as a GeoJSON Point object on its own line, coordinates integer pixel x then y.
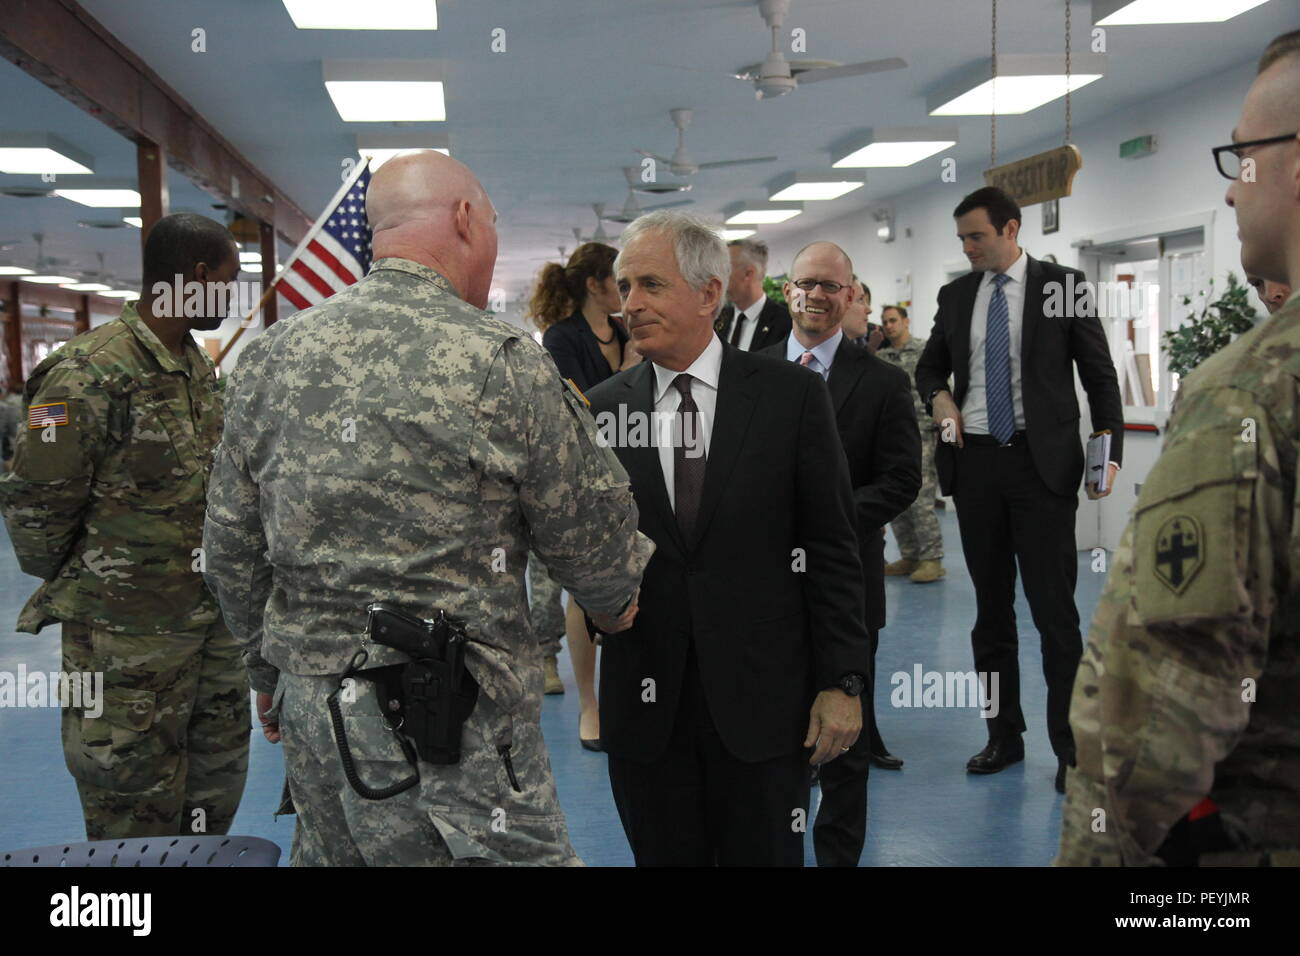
{"type": "Point", "coordinates": [997, 364]}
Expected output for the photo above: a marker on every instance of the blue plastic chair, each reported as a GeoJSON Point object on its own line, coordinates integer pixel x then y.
{"type": "Point", "coordinates": [209, 850]}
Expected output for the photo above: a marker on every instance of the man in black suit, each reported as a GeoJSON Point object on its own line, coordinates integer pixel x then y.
{"type": "Point", "coordinates": [876, 420]}
{"type": "Point", "coordinates": [750, 321]}
{"type": "Point", "coordinates": [749, 646]}
{"type": "Point", "coordinates": [1010, 454]}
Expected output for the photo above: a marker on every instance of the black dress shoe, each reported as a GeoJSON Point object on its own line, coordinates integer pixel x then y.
{"type": "Point", "coordinates": [886, 761]}
{"type": "Point", "coordinates": [593, 745]}
{"type": "Point", "coordinates": [998, 755]}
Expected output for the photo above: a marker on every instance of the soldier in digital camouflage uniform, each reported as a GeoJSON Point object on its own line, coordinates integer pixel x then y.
{"type": "Point", "coordinates": [105, 503]}
{"type": "Point", "coordinates": [1185, 711]}
{"type": "Point", "coordinates": [398, 444]}
{"type": "Point", "coordinates": [920, 540]}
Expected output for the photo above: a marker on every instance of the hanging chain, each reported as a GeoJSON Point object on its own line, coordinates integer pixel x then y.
{"type": "Point", "coordinates": [1067, 73]}
{"type": "Point", "coordinates": [993, 94]}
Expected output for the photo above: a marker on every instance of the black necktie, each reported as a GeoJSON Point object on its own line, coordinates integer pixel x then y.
{"type": "Point", "coordinates": [688, 459]}
{"type": "Point", "coordinates": [738, 323]}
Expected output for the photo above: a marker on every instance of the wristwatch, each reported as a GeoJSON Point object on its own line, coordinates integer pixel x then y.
{"type": "Point", "coordinates": [929, 401]}
{"type": "Point", "coordinates": [852, 684]}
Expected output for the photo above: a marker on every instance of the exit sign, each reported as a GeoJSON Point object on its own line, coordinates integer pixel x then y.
{"type": "Point", "coordinates": [1137, 148]}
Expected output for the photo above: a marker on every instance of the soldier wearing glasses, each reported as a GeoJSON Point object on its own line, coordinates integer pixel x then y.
{"type": "Point", "coordinates": [1185, 711]}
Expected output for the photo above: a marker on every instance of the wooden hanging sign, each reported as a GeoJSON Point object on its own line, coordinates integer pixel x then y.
{"type": "Point", "coordinates": [1039, 178]}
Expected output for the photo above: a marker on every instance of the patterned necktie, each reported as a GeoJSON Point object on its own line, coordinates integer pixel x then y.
{"type": "Point", "coordinates": [997, 364]}
{"type": "Point", "coordinates": [688, 459]}
{"type": "Point", "coordinates": [738, 325]}
{"type": "Point", "coordinates": [807, 359]}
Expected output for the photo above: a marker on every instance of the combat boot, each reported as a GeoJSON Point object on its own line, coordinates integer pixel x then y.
{"type": "Point", "coordinates": [928, 571]}
{"type": "Point", "coordinates": [553, 683]}
{"type": "Point", "coordinates": [900, 567]}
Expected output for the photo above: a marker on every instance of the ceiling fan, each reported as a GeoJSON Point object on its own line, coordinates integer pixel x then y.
{"type": "Point", "coordinates": [599, 235]}
{"type": "Point", "coordinates": [776, 75]}
{"type": "Point", "coordinates": [564, 256]}
{"type": "Point", "coordinates": [632, 208]}
{"type": "Point", "coordinates": [681, 164]}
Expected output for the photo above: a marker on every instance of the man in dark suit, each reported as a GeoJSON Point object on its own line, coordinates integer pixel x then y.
{"type": "Point", "coordinates": [1010, 454]}
{"type": "Point", "coordinates": [876, 420]}
{"type": "Point", "coordinates": [749, 646]}
{"type": "Point", "coordinates": [750, 321]}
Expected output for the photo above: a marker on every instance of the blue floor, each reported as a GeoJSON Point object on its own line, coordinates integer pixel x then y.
{"type": "Point", "coordinates": [932, 813]}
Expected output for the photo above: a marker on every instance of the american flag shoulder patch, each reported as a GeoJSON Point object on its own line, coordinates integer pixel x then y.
{"type": "Point", "coordinates": [53, 413]}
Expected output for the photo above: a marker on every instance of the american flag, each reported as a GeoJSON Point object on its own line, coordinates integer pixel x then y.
{"type": "Point", "coordinates": [336, 253]}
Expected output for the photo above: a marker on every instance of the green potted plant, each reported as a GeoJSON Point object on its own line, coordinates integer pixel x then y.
{"type": "Point", "coordinates": [1219, 323]}
{"type": "Point", "coordinates": [772, 288]}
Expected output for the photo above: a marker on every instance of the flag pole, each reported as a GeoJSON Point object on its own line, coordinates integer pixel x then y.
{"type": "Point", "coordinates": [311, 234]}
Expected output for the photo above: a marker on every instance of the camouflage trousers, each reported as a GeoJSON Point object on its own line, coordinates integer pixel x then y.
{"type": "Point", "coordinates": [468, 814]}
{"type": "Point", "coordinates": [545, 607]}
{"type": "Point", "coordinates": [917, 529]}
{"type": "Point", "coordinates": [169, 752]}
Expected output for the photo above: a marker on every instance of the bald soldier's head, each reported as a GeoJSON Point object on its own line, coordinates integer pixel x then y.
{"type": "Point", "coordinates": [1267, 194]}
{"type": "Point", "coordinates": [429, 208]}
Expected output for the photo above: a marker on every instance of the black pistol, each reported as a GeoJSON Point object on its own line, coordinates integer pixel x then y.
{"type": "Point", "coordinates": [425, 702]}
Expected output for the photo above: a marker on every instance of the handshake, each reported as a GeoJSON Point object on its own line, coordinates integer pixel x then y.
{"type": "Point", "coordinates": [614, 623]}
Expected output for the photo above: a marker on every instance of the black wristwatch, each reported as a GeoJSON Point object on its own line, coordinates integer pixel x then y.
{"type": "Point", "coordinates": [852, 684]}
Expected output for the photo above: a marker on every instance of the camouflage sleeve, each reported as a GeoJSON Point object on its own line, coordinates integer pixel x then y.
{"type": "Point", "coordinates": [234, 551]}
{"type": "Point", "coordinates": [45, 496]}
{"type": "Point", "coordinates": [1181, 634]}
{"type": "Point", "coordinates": [577, 500]}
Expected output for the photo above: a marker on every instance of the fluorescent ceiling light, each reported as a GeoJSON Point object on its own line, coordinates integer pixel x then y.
{"type": "Point", "coordinates": [1024, 82]}
{"type": "Point", "coordinates": [50, 280]}
{"type": "Point", "coordinates": [1012, 95]}
{"type": "Point", "coordinates": [729, 234]}
{"type": "Point", "coordinates": [40, 153]}
{"type": "Point", "coordinates": [14, 271]}
{"type": "Point", "coordinates": [370, 15]}
{"type": "Point", "coordinates": [133, 221]}
{"type": "Point", "coordinates": [1115, 13]}
{"type": "Point", "coordinates": [798, 192]}
{"type": "Point", "coordinates": [87, 287]}
{"type": "Point", "coordinates": [250, 258]}
{"type": "Point", "coordinates": [893, 146]}
{"type": "Point", "coordinates": [386, 91]}
{"type": "Point", "coordinates": [99, 198]}
{"type": "Point", "coordinates": [749, 214]}
{"type": "Point", "coordinates": [892, 154]}
{"type": "Point", "coordinates": [121, 294]}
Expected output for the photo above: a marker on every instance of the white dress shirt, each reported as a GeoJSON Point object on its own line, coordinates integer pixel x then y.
{"type": "Point", "coordinates": [704, 389]}
{"type": "Point", "coordinates": [823, 354]}
{"type": "Point", "coordinates": [975, 408]}
{"type": "Point", "coordinates": [750, 318]}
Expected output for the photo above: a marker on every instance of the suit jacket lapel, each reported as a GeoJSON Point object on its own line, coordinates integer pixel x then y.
{"type": "Point", "coordinates": [643, 460]}
{"type": "Point", "coordinates": [1035, 281]}
{"type": "Point", "coordinates": [959, 348]}
{"type": "Point", "coordinates": [845, 373]}
{"type": "Point", "coordinates": [735, 406]}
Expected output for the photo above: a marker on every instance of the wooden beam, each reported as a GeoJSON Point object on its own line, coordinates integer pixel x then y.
{"type": "Point", "coordinates": [151, 180]}
{"type": "Point", "coordinates": [83, 316]}
{"type": "Point", "coordinates": [14, 334]}
{"type": "Point", "coordinates": [65, 48]}
{"type": "Point", "coordinates": [271, 310]}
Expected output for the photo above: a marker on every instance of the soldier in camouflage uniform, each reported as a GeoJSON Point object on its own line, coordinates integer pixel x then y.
{"type": "Point", "coordinates": [1184, 710]}
{"type": "Point", "coordinates": [920, 540]}
{"type": "Point", "coordinates": [105, 503]}
{"type": "Point", "coordinates": [396, 443]}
